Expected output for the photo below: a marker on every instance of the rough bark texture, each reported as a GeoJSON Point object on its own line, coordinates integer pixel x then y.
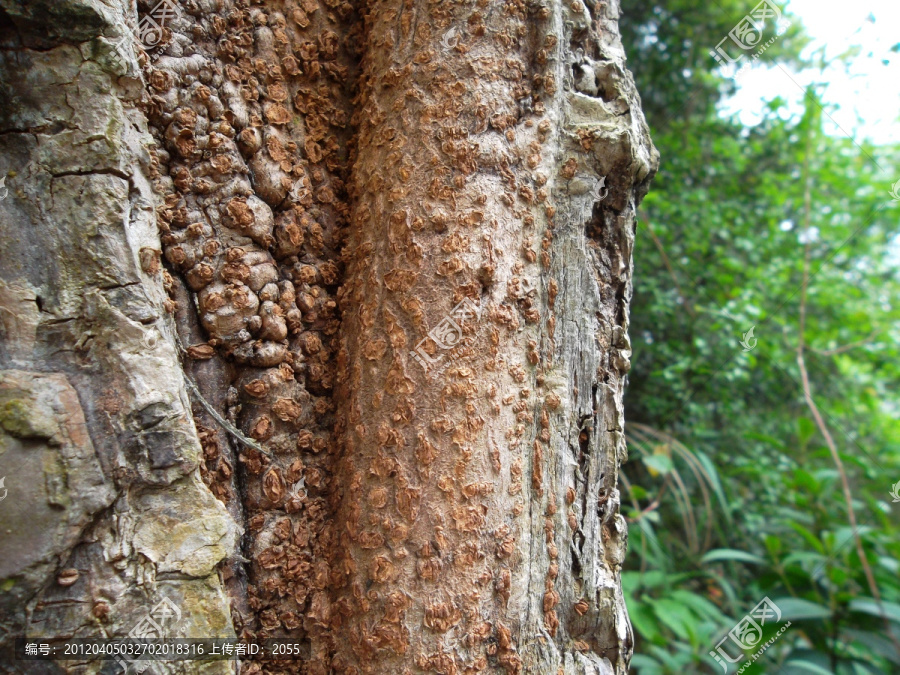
{"type": "Point", "coordinates": [480, 502]}
{"type": "Point", "coordinates": [282, 202]}
{"type": "Point", "coordinates": [106, 513]}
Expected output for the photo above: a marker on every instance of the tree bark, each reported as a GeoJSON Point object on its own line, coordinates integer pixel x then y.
{"type": "Point", "coordinates": [351, 280]}
{"type": "Point", "coordinates": [106, 515]}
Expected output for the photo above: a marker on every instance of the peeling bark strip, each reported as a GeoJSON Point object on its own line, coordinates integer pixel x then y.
{"type": "Point", "coordinates": [476, 155]}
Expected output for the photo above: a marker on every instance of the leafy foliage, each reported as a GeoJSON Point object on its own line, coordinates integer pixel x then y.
{"type": "Point", "coordinates": [731, 493]}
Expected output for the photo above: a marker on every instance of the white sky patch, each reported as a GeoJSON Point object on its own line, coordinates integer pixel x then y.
{"type": "Point", "coordinates": [866, 89]}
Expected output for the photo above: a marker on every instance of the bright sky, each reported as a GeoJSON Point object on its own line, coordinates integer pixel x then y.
{"type": "Point", "coordinates": [867, 89]}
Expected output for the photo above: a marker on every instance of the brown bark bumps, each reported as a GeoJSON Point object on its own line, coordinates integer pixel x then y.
{"type": "Point", "coordinates": [500, 159]}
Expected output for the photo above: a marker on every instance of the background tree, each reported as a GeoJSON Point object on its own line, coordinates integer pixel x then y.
{"type": "Point", "coordinates": [736, 495]}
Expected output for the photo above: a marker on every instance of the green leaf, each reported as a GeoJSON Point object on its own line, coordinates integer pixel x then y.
{"type": "Point", "coordinates": [649, 579]}
{"type": "Point", "coordinates": [795, 609]}
{"type": "Point", "coordinates": [638, 492]}
{"type": "Point", "coordinates": [870, 606]}
{"type": "Point", "coordinates": [860, 668]}
{"type": "Point", "coordinates": [800, 666]}
{"type": "Point", "coordinates": [810, 538]}
{"type": "Point", "coordinates": [838, 576]}
{"type": "Point", "coordinates": [714, 482]}
{"type": "Point", "coordinates": [803, 556]}
{"type": "Point", "coordinates": [805, 480]}
{"type": "Point", "coordinates": [644, 621]}
{"type": "Point", "coordinates": [844, 535]}
{"type": "Point", "coordinates": [675, 616]}
{"type": "Point", "coordinates": [875, 643]}
{"type": "Point", "coordinates": [806, 428]}
{"type": "Point", "coordinates": [660, 464]}
{"type": "Point", "coordinates": [646, 665]}
{"type": "Point", "coordinates": [733, 555]}
{"type": "Point", "coordinates": [770, 440]}
{"type": "Point", "coordinates": [701, 606]}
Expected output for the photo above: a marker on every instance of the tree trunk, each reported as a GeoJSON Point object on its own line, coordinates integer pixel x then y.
{"type": "Point", "coordinates": [314, 322]}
